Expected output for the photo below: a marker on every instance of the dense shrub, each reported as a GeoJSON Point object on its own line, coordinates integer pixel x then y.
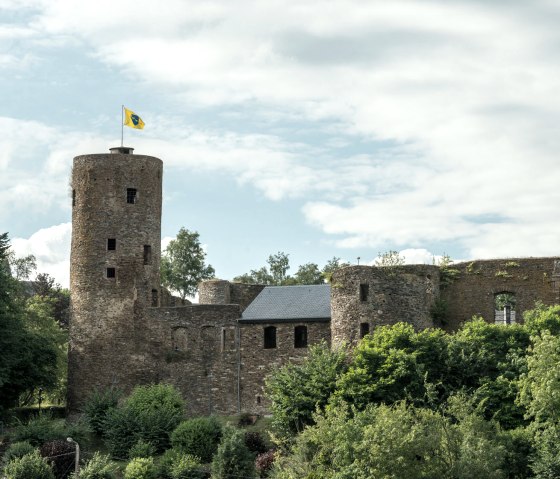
{"type": "Point", "coordinates": [150, 413]}
{"type": "Point", "coordinates": [264, 462]}
{"type": "Point", "coordinates": [140, 468]}
{"type": "Point", "coordinates": [246, 419]}
{"type": "Point", "coordinates": [17, 449]}
{"type": "Point", "coordinates": [199, 437]}
{"type": "Point", "coordinates": [233, 460]}
{"type": "Point", "coordinates": [61, 455]}
{"type": "Point", "coordinates": [166, 461]}
{"type": "Point", "coordinates": [30, 466]}
{"type": "Point", "coordinates": [255, 442]}
{"type": "Point", "coordinates": [44, 428]}
{"type": "Point", "coordinates": [97, 406]}
{"type": "Point", "coordinates": [141, 449]}
{"type": "Point", "coordinates": [186, 466]}
{"type": "Point", "coordinates": [98, 467]}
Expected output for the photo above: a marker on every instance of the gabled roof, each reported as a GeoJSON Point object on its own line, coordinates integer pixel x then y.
{"type": "Point", "coordinates": [290, 303]}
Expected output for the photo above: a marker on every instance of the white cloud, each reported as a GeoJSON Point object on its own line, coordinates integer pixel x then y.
{"type": "Point", "coordinates": [51, 247]}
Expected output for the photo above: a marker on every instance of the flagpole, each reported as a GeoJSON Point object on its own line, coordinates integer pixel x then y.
{"type": "Point", "coordinates": [122, 125]}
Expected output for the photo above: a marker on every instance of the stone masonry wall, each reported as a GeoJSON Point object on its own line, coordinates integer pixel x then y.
{"type": "Point", "coordinates": [219, 291]}
{"type": "Point", "coordinates": [381, 295]}
{"type": "Point", "coordinates": [472, 292]}
{"type": "Point", "coordinates": [258, 362]}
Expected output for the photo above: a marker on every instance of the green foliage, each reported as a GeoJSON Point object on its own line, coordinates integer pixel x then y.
{"type": "Point", "coordinates": [183, 264]}
{"type": "Point", "coordinates": [447, 273]}
{"type": "Point", "coordinates": [17, 449]}
{"type": "Point", "coordinates": [43, 428]}
{"type": "Point", "coordinates": [255, 442]}
{"type": "Point", "coordinates": [167, 459]}
{"type": "Point", "coordinates": [233, 460]}
{"type": "Point", "coordinates": [297, 390]}
{"type": "Point", "coordinates": [264, 463]}
{"type": "Point", "coordinates": [98, 405]}
{"type": "Point", "coordinates": [520, 450]}
{"type": "Point", "coordinates": [542, 318]}
{"type": "Point", "coordinates": [30, 466]}
{"type": "Point", "coordinates": [98, 467]}
{"type": "Point", "coordinates": [27, 361]}
{"type": "Point", "coordinates": [187, 467]}
{"type": "Point", "coordinates": [199, 437]}
{"type": "Point", "coordinates": [140, 468]}
{"type": "Point", "coordinates": [150, 413]}
{"type": "Point", "coordinates": [390, 261]}
{"type": "Point", "coordinates": [394, 441]}
{"type": "Point", "coordinates": [141, 449]}
{"type": "Point", "coordinates": [546, 460]}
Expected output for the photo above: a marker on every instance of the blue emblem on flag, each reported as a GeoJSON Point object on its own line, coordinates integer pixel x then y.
{"type": "Point", "coordinates": [135, 119]}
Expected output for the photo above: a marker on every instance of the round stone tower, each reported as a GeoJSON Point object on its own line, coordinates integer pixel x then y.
{"type": "Point", "coordinates": [363, 297]}
{"type": "Point", "coordinates": [115, 257]}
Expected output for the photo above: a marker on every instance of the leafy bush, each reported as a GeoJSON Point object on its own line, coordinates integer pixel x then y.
{"type": "Point", "coordinates": [199, 437]}
{"type": "Point", "coordinates": [255, 442]}
{"type": "Point", "coordinates": [44, 428]}
{"type": "Point", "coordinates": [264, 462]}
{"type": "Point", "coordinates": [61, 455]}
{"type": "Point", "coordinates": [17, 449]}
{"type": "Point", "coordinates": [166, 461]}
{"type": "Point", "coordinates": [121, 431]}
{"type": "Point", "coordinates": [140, 468]}
{"type": "Point", "coordinates": [97, 406]}
{"type": "Point", "coordinates": [233, 460]}
{"type": "Point", "coordinates": [246, 419]}
{"type": "Point", "coordinates": [30, 466]}
{"type": "Point", "coordinates": [187, 467]}
{"type": "Point", "coordinates": [98, 467]}
{"type": "Point", "coordinates": [141, 449]}
{"type": "Point", "coordinates": [149, 413]}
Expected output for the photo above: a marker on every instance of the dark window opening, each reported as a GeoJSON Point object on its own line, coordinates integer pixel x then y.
{"type": "Point", "coordinates": [269, 337]}
{"type": "Point", "coordinates": [111, 272]}
{"type": "Point", "coordinates": [147, 254]}
{"type": "Point", "coordinates": [111, 244]}
{"type": "Point", "coordinates": [258, 399]}
{"type": "Point", "coordinates": [131, 195]}
{"type": "Point", "coordinates": [300, 337]}
{"type": "Point", "coordinates": [504, 308]}
{"type": "Point", "coordinates": [364, 291]}
{"type": "Point", "coordinates": [364, 329]}
{"type": "Point", "coordinates": [155, 298]}
{"type": "Point", "coordinates": [73, 197]}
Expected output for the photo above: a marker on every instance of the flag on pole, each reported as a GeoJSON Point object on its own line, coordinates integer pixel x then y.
{"type": "Point", "coordinates": [132, 120]}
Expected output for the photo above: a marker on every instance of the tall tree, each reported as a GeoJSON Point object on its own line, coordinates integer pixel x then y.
{"type": "Point", "coordinates": [183, 264]}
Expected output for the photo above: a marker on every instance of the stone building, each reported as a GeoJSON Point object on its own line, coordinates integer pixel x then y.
{"type": "Point", "coordinates": [125, 330]}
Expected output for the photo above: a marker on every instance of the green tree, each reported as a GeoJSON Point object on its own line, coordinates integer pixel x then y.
{"type": "Point", "coordinates": [183, 264]}
{"type": "Point", "coordinates": [30, 466]}
{"type": "Point", "coordinates": [296, 391]}
{"type": "Point", "coordinates": [309, 273]}
{"type": "Point", "coordinates": [233, 460]}
{"type": "Point", "coordinates": [27, 361]}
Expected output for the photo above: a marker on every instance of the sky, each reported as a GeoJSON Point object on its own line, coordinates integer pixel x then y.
{"type": "Point", "coordinates": [318, 128]}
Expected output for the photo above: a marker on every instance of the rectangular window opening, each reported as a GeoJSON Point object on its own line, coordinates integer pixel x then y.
{"type": "Point", "coordinates": [111, 244]}
{"type": "Point", "coordinates": [364, 329]}
{"type": "Point", "coordinates": [300, 337]}
{"type": "Point", "coordinates": [155, 298]}
{"type": "Point", "coordinates": [270, 337]}
{"type": "Point", "coordinates": [364, 292]}
{"type": "Point", "coordinates": [73, 197]}
{"type": "Point", "coordinates": [111, 273]}
{"type": "Point", "coordinates": [131, 195]}
{"type": "Point", "coordinates": [147, 254]}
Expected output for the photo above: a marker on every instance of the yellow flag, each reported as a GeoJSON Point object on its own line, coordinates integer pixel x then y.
{"type": "Point", "coordinates": [132, 120]}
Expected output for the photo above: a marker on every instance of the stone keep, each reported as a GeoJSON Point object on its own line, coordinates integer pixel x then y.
{"type": "Point", "coordinates": [115, 256]}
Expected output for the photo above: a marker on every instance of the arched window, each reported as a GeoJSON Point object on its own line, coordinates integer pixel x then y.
{"type": "Point", "coordinates": [269, 337]}
{"type": "Point", "coordinates": [179, 339]}
{"type": "Point", "coordinates": [504, 308]}
{"type": "Point", "coordinates": [300, 337]}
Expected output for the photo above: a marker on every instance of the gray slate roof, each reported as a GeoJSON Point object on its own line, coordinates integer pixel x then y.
{"type": "Point", "coordinates": [290, 303]}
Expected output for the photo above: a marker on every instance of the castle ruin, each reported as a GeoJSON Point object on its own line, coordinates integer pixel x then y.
{"type": "Point", "coordinates": [125, 330]}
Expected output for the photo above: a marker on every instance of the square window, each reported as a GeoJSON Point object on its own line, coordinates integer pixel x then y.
{"type": "Point", "coordinates": [111, 273]}
{"type": "Point", "coordinates": [111, 244]}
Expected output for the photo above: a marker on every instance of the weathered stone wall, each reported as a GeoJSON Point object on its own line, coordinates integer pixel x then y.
{"type": "Point", "coordinates": [258, 362]}
{"type": "Point", "coordinates": [218, 291]}
{"type": "Point", "coordinates": [379, 296]}
{"type": "Point", "coordinates": [473, 290]}
{"type": "Point", "coordinates": [106, 311]}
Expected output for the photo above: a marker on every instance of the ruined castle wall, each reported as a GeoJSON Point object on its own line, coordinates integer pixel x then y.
{"type": "Point", "coordinates": [472, 291]}
{"type": "Point", "coordinates": [257, 362]}
{"type": "Point", "coordinates": [195, 348]}
{"type": "Point", "coordinates": [219, 291]}
{"type": "Point", "coordinates": [363, 297]}
{"type": "Point", "coordinates": [105, 311]}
